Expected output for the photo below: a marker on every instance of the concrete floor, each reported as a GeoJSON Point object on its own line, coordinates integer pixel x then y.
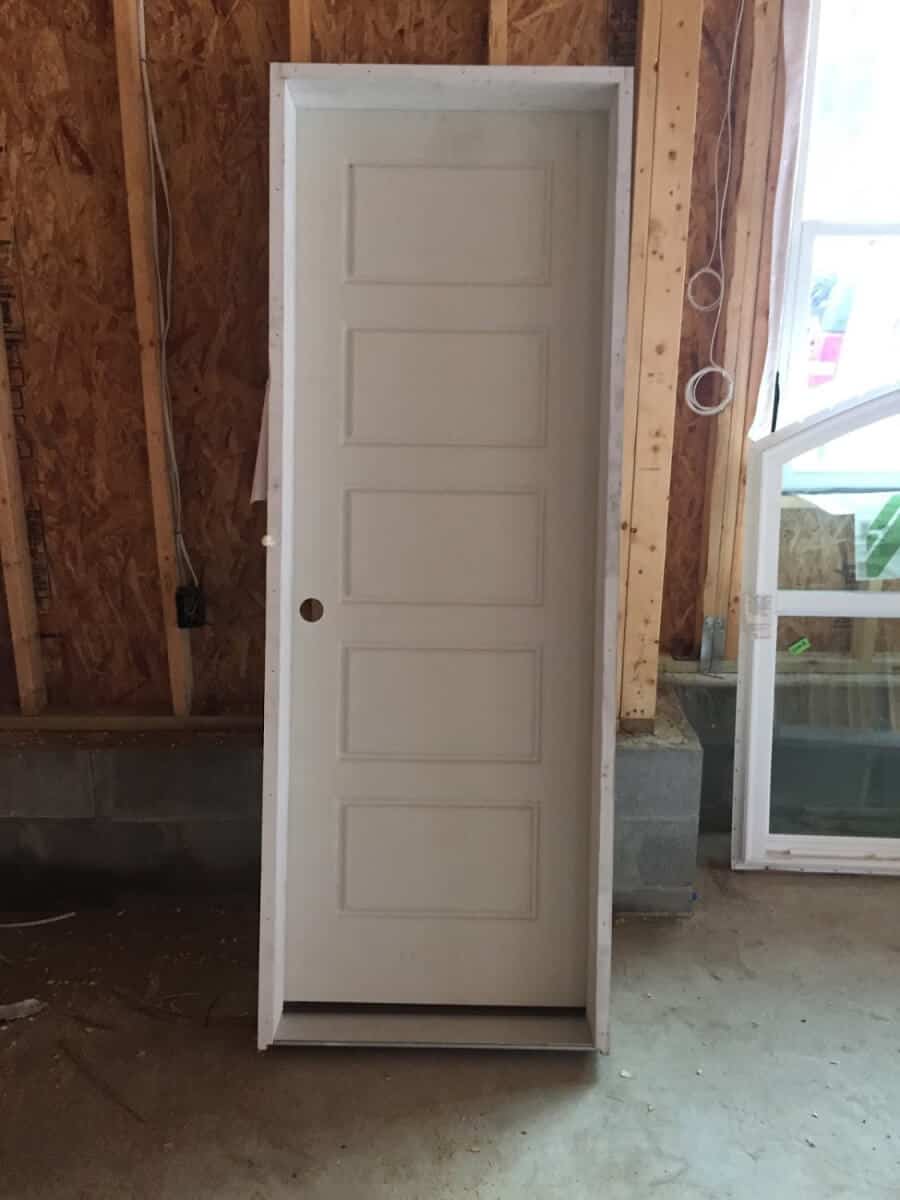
{"type": "Point", "coordinates": [756, 1052]}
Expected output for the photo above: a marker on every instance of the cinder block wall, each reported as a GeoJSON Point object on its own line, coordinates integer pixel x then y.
{"type": "Point", "coordinates": [836, 754]}
{"type": "Point", "coordinates": [179, 813]}
{"type": "Point", "coordinates": [658, 779]}
{"type": "Point", "coordinates": [105, 813]}
{"type": "Point", "coordinates": [179, 816]}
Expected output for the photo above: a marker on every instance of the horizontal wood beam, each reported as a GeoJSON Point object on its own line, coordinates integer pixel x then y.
{"type": "Point", "coordinates": [127, 18]}
{"type": "Point", "coordinates": [16, 558]}
{"type": "Point", "coordinates": [106, 723]}
{"type": "Point", "coordinates": [670, 50]}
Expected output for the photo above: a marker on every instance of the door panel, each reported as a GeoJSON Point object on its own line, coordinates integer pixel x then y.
{"type": "Point", "coordinates": [447, 385]}
{"type": "Point", "coordinates": [436, 223]}
{"type": "Point", "coordinates": [449, 547]}
{"type": "Point", "coordinates": [472, 387]}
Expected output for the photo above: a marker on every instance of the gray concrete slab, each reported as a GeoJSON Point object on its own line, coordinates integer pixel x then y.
{"type": "Point", "coordinates": [755, 1053]}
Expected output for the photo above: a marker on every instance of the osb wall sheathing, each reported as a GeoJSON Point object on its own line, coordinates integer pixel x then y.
{"type": "Point", "coordinates": [571, 32]}
{"type": "Point", "coordinates": [543, 32]}
{"type": "Point", "coordinates": [81, 421]}
{"type": "Point", "coordinates": [685, 547]}
{"type": "Point", "coordinates": [209, 72]}
{"type": "Point", "coordinates": [400, 31]}
{"type": "Point", "coordinates": [84, 460]}
{"type": "Point", "coordinates": [576, 32]}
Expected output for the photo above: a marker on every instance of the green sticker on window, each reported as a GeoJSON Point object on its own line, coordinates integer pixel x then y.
{"type": "Point", "coordinates": [800, 646]}
{"type": "Point", "coordinates": [883, 539]}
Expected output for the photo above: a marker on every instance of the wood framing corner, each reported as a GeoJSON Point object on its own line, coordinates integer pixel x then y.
{"type": "Point", "coordinates": [668, 69]}
{"type": "Point", "coordinates": [136, 154]}
{"type": "Point", "coordinates": [23, 621]}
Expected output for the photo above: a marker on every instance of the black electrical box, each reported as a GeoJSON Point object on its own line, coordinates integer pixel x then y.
{"type": "Point", "coordinates": [190, 606]}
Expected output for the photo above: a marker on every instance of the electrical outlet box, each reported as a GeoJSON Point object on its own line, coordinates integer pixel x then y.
{"type": "Point", "coordinates": [190, 606]}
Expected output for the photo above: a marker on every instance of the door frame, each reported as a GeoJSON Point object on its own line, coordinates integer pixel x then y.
{"type": "Point", "coordinates": [324, 86]}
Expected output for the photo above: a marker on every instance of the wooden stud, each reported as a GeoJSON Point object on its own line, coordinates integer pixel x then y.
{"type": "Point", "coordinates": [23, 621]}
{"type": "Point", "coordinates": [301, 30]}
{"type": "Point", "coordinates": [748, 276]}
{"type": "Point", "coordinates": [127, 15]}
{"type": "Point", "coordinates": [658, 307]}
{"type": "Point", "coordinates": [645, 125]}
{"type": "Point", "coordinates": [498, 33]}
{"type": "Point", "coordinates": [758, 336]}
{"type": "Point", "coordinates": [759, 339]}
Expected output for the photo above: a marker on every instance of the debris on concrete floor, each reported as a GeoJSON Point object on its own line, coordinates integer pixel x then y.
{"type": "Point", "coordinates": [20, 1010]}
{"type": "Point", "coordinates": [141, 1078]}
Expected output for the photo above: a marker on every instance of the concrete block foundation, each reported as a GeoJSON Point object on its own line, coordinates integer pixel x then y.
{"type": "Point", "coordinates": [182, 813]}
{"type": "Point", "coordinates": [162, 812]}
{"type": "Point", "coordinates": [658, 778]}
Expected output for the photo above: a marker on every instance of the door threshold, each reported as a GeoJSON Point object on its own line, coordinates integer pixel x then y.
{"type": "Point", "coordinates": [427, 1026]}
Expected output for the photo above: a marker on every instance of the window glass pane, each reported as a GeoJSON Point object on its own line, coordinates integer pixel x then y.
{"type": "Point", "coordinates": [840, 513]}
{"type": "Point", "coordinates": [853, 320]}
{"type": "Point", "coordinates": [853, 173]}
{"type": "Point", "coordinates": [846, 340]}
{"type": "Point", "coordinates": [836, 749]}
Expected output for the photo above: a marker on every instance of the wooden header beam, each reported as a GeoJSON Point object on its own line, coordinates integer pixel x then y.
{"type": "Point", "coordinates": [127, 16]}
{"type": "Point", "coordinates": [668, 72]}
{"type": "Point", "coordinates": [23, 620]}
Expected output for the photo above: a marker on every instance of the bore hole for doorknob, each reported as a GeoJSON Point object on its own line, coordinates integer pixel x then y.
{"type": "Point", "coordinates": [311, 609]}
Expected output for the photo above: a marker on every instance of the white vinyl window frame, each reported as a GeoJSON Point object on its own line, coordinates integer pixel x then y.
{"type": "Point", "coordinates": [762, 603]}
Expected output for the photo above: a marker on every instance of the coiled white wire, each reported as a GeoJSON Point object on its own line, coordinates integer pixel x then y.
{"type": "Point", "coordinates": [714, 267]}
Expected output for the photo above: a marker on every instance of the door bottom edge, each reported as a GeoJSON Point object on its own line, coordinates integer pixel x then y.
{"type": "Point", "coordinates": [424, 1027]}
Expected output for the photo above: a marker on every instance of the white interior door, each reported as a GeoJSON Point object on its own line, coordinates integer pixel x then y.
{"type": "Point", "coordinates": [447, 283]}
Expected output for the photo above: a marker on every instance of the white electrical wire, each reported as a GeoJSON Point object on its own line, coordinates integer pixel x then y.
{"type": "Point", "coordinates": [714, 267]}
{"type": "Point", "coordinates": [163, 293]}
{"type": "Point", "coordinates": [33, 924]}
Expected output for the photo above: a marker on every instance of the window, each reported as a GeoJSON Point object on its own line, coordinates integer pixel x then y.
{"type": "Point", "coordinates": [817, 748]}
{"type": "Point", "coordinates": [841, 331]}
